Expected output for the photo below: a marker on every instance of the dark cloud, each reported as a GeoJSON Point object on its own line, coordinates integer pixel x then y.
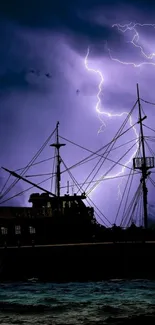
{"type": "Point", "coordinates": [18, 60]}
{"type": "Point", "coordinates": [23, 80]}
{"type": "Point", "coordinates": [13, 80]}
{"type": "Point", "coordinates": [48, 36]}
{"type": "Point", "coordinates": [72, 17]}
{"type": "Point", "coordinates": [48, 13]}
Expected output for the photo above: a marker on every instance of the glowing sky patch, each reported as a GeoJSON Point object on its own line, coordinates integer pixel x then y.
{"type": "Point", "coordinates": [54, 39]}
{"type": "Point", "coordinates": [135, 41]}
{"type": "Point", "coordinates": [101, 113]}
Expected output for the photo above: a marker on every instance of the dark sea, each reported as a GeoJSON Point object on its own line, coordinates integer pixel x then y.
{"type": "Point", "coordinates": [112, 302]}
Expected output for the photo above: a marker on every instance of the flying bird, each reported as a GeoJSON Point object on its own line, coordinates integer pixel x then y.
{"type": "Point", "coordinates": [47, 75]}
{"type": "Point", "coordinates": [37, 72]}
{"type": "Point", "coordinates": [32, 71]}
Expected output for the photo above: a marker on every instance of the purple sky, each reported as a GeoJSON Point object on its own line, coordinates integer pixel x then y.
{"type": "Point", "coordinates": [53, 37]}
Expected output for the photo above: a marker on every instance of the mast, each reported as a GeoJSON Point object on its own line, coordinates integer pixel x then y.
{"type": "Point", "coordinates": [144, 167]}
{"type": "Point", "coordinates": [58, 145]}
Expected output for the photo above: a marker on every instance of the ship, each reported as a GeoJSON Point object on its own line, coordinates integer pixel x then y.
{"type": "Point", "coordinates": [59, 237]}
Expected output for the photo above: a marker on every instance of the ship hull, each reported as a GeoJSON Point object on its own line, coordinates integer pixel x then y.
{"type": "Point", "coordinates": [78, 262]}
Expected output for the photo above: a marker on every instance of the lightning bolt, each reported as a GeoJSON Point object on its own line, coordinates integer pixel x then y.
{"type": "Point", "coordinates": [135, 42]}
{"type": "Point", "coordinates": [102, 113]}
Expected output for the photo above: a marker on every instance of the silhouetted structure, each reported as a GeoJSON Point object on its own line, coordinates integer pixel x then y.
{"type": "Point", "coordinates": [58, 238]}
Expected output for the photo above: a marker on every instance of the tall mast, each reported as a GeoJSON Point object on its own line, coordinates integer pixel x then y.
{"type": "Point", "coordinates": [58, 145]}
{"type": "Point", "coordinates": [144, 166]}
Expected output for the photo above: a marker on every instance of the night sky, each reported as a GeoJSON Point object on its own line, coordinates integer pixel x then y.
{"type": "Point", "coordinates": [42, 51]}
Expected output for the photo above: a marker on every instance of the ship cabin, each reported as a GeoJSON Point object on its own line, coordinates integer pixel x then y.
{"type": "Point", "coordinates": [67, 205]}
{"type": "Point", "coordinates": [50, 220]}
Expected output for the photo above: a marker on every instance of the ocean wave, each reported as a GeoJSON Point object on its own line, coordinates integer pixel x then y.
{"type": "Point", "coordinates": [142, 319]}
{"type": "Point", "coordinates": [111, 310]}
{"type": "Point", "coordinates": [138, 320]}
{"type": "Point", "coordinates": [13, 307]}
{"type": "Point", "coordinates": [108, 303]}
{"type": "Point", "coordinates": [22, 308]}
{"type": "Point", "coordinates": [71, 318]}
{"type": "Point", "coordinates": [49, 300]}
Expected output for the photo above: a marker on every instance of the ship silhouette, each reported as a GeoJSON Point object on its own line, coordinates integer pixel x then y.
{"type": "Point", "coordinates": [59, 238]}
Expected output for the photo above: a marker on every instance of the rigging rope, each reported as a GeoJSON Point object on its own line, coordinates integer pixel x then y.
{"type": "Point", "coordinates": [136, 200]}
{"type": "Point", "coordinates": [24, 191]}
{"type": "Point", "coordinates": [130, 209]}
{"type": "Point", "coordinates": [113, 140]}
{"type": "Point", "coordinates": [92, 188]}
{"type": "Point", "coordinates": [150, 149]}
{"type": "Point", "coordinates": [75, 182]}
{"type": "Point", "coordinates": [37, 163]}
{"type": "Point", "coordinates": [132, 171]}
{"type": "Point", "coordinates": [85, 160]}
{"type": "Point", "coordinates": [139, 210]}
{"type": "Point", "coordinates": [107, 153]}
{"type": "Point", "coordinates": [123, 196]}
{"type": "Point", "coordinates": [53, 173]}
{"type": "Point", "coordinates": [5, 184]}
{"type": "Point", "coordinates": [147, 102]}
{"type": "Point", "coordinates": [101, 180]}
{"type": "Point", "coordinates": [149, 128]}
{"type": "Point", "coordinates": [125, 206]}
{"type": "Point", "coordinates": [29, 164]}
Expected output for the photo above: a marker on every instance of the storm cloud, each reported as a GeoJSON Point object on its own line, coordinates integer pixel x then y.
{"type": "Point", "coordinates": [42, 51]}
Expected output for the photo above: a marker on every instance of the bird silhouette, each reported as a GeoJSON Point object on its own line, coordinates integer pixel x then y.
{"type": "Point", "coordinates": [32, 71]}
{"type": "Point", "coordinates": [37, 72]}
{"type": "Point", "coordinates": [47, 75]}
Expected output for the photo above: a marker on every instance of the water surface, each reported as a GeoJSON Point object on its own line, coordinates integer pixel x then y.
{"type": "Point", "coordinates": [113, 302]}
